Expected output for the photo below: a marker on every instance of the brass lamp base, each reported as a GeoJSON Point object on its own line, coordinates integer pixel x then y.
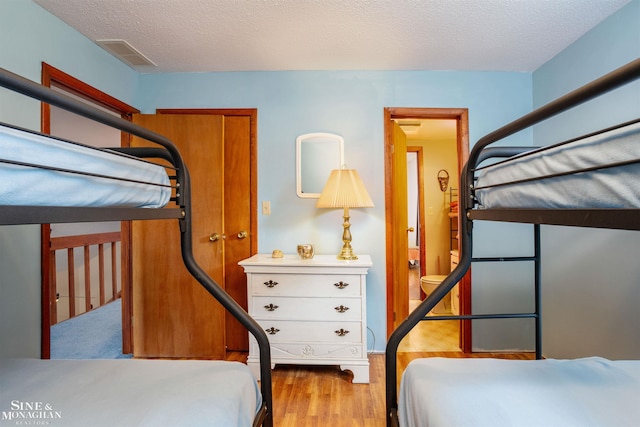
{"type": "Point", "coordinates": [346, 253]}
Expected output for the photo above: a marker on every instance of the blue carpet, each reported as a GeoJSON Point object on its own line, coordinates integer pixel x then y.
{"type": "Point", "coordinates": [93, 335]}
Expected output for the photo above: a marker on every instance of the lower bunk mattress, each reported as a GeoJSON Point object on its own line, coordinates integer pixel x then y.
{"type": "Point", "coordinates": [127, 392]}
{"type": "Point", "coordinates": [491, 392]}
{"type": "Point", "coordinates": [598, 171]}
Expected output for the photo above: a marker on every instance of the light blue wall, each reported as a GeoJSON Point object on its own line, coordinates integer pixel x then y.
{"type": "Point", "coordinates": [591, 271]}
{"type": "Point", "coordinates": [349, 103]}
{"type": "Point", "coordinates": [28, 36]}
{"type": "Point", "coordinates": [291, 103]}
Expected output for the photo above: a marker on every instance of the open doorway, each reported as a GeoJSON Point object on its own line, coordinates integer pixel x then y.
{"type": "Point", "coordinates": [432, 227]}
{"type": "Point", "coordinates": [93, 262]}
{"type": "Point", "coordinates": [411, 253]}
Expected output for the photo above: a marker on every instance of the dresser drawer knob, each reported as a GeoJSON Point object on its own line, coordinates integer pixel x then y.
{"type": "Point", "coordinates": [341, 309]}
{"type": "Point", "coordinates": [341, 332]}
{"type": "Point", "coordinates": [341, 285]}
{"type": "Point", "coordinates": [272, 331]}
{"type": "Point", "coordinates": [270, 307]}
{"type": "Point", "coordinates": [270, 283]}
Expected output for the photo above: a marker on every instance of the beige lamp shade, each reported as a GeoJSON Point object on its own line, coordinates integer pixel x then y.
{"type": "Point", "coordinates": [344, 189]}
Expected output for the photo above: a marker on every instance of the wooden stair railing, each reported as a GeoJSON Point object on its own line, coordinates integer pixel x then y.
{"type": "Point", "coordinates": [85, 241]}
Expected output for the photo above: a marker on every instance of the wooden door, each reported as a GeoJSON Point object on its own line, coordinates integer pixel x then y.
{"type": "Point", "coordinates": [237, 220]}
{"type": "Point", "coordinates": [173, 316]}
{"type": "Point", "coordinates": [240, 206]}
{"type": "Point", "coordinates": [400, 226]}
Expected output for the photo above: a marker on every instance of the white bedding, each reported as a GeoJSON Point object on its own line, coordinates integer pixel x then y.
{"type": "Point", "coordinates": [491, 392]}
{"type": "Point", "coordinates": [608, 188]}
{"type": "Point", "coordinates": [127, 393]}
{"type": "Point", "coordinates": [28, 186]}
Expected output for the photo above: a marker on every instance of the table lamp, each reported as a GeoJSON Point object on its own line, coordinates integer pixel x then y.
{"type": "Point", "coordinates": [344, 189]}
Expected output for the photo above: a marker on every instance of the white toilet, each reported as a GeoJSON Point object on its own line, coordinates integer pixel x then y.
{"type": "Point", "coordinates": [428, 285]}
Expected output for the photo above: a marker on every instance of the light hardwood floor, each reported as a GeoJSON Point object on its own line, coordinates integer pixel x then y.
{"type": "Point", "coordinates": [440, 335]}
{"type": "Point", "coordinates": [323, 396]}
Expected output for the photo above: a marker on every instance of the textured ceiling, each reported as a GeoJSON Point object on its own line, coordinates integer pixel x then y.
{"type": "Point", "coordinates": [252, 35]}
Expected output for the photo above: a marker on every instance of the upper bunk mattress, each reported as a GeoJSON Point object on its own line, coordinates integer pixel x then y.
{"type": "Point", "coordinates": [123, 182]}
{"type": "Point", "coordinates": [127, 392]}
{"type": "Point", "coordinates": [491, 392]}
{"type": "Point", "coordinates": [601, 187]}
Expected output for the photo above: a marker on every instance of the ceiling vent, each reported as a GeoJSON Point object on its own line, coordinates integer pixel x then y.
{"type": "Point", "coordinates": [125, 52]}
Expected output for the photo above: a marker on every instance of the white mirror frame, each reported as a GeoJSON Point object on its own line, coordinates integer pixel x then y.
{"type": "Point", "coordinates": [317, 154]}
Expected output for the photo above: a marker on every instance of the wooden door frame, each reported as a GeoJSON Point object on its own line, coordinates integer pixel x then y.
{"type": "Point", "coordinates": [52, 75]}
{"type": "Point", "coordinates": [461, 115]}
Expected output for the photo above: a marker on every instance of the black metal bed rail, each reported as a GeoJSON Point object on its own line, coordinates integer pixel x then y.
{"type": "Point", "coordinates": [39, 214]}
{"type": "Point", "coordinates": [483, 316]}
{"type": "Point", "coordinates": [19, 215]}
{"type": "Point", "coordinates": [614, 219]}
{"type": "Point", "coordinates": [502, 259]}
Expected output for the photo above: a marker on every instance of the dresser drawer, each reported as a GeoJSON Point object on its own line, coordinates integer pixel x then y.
{"type": "Point", "coordinates": [301, 308]}
{"type": "Point", "coordinates": [327, 285]}
{"type": "Point", "coordinates": [307, 332]}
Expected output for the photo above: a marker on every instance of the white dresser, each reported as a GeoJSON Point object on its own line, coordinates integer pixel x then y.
{"type": "Point", "coordinates": [314, 310]}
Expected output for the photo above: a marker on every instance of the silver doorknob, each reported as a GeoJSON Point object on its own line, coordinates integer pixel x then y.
{"type": "Point", "coordinates": [214, 237]}
{"type": "Point", "coordinates": [242, 234]}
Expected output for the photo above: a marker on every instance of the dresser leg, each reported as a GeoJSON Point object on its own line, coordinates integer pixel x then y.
{"type": "Point", "coordinates": [360, 373]}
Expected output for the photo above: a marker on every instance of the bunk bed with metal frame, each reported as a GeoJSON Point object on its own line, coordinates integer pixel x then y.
{"type": "Point", "coordinates": [509, 197]}
{"type": "Point", "coordinates": [122, 387]}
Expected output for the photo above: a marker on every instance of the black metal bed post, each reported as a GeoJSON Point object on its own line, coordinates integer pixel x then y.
{"type": "Point", "coordinates": [419, 313]}
{"type": "Point", "coordinates": [538, 289]}
{"type": "Point", "coordinates": [225, 299]}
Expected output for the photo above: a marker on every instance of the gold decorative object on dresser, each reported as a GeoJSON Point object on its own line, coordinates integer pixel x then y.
{"type": "Point", "coordinates": [313, 310]}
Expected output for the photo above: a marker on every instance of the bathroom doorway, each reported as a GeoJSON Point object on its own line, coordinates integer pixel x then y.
{"type": "Point", "coordinates": [432, 228]}
{"type": "Point", "coordinates": [421, 236]}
